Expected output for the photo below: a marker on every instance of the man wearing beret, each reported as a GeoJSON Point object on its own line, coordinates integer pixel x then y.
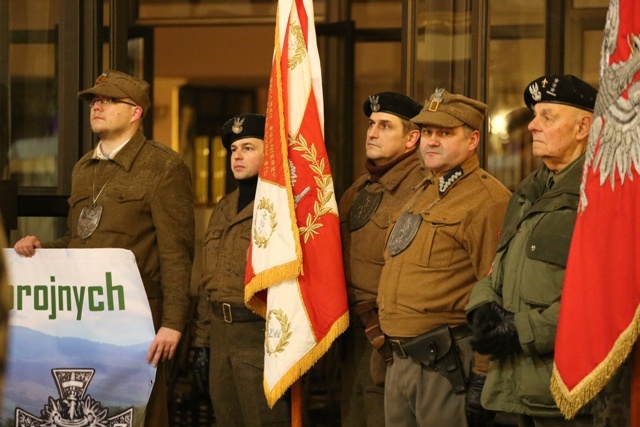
{"type": "Point", "coordinates": [392, 175]}
{"type": "Point", "coordinates": [134, 194]}
{"type": "Point", "coordinates": [233, 333]}
{"type": "Point", "coordinates": [514, 311]}
{"type": "Point", "coordinates": [442, 243]}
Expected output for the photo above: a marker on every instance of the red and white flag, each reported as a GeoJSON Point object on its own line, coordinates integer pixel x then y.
{"type": "Point", "coordinates": [295, 277]}
{"type": "Point", "coordinates": [599, 314]}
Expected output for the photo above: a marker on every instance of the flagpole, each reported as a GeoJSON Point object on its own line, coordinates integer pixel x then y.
{"type": "Point", "coordinates": [296, 404]}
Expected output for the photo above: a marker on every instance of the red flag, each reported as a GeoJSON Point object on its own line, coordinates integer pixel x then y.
{"type": "Point", "coordinates": [599, 316]}
{"type": "Point", "coordinates": [295, 276]}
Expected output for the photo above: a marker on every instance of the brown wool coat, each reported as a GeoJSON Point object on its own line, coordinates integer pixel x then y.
{"type": "Point", "coordinates": [147, 208]}
{"type": "Point", "coordinates": [363, 249]}
{"type": "Point", "coordinates": [428, 284]}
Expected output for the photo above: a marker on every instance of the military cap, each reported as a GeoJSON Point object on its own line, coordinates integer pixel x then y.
{"type": "Point", "coordinates": [559, 89]}
{"type": "Point", "coordinates": [242, 126]}
{"type": "Point", "coordinates": [393, 103]}
{"type": "Point", "coordinates": [116, 84]}
{"type": "Point", "coordinates": [447, 110]}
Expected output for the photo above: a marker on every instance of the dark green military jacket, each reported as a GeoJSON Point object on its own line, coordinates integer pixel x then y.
{"type": "Point", "coordinates": [527, 277]}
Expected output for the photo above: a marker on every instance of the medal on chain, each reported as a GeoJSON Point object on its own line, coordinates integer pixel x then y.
{"type": "Point", "coordinates": [407, 225]}
{"type": "Point", "coordinates": [90, 215]}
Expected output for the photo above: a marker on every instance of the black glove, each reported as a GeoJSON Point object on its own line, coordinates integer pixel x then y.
{"type": "Point", "coordinates": [477, 416]}
{"type": "Point", "coordinates": [484, 318]}
{"type": "Point", "coordinates": [201, 368]}
{"type": "Point", "coordinates": [503, 339]}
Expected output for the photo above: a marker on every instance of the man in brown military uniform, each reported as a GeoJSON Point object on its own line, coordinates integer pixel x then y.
{"type": "Point", "coordinates": [366, 208]}
{"type": "Point", "coordinates": [232, 333]}
{"type": "Point", "coordinates": [441, 244]}
{"type": "Point", "coordinates": [134, 194]}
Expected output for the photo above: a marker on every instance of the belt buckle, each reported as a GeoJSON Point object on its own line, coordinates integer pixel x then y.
{"type": "Point", "coordinates": [397, 346]}
{"type": "Point", "coordinates": [227, 316]}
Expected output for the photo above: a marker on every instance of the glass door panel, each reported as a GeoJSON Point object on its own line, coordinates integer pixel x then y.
{"type": "Point", "coordinates": [31, 140]}
{"type": "Point", "coordinates": [442, 49]}
{"type": "Point", "coordinates": [516, 56]}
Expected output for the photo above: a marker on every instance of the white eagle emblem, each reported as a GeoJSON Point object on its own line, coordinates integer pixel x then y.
{"type": "Point", "coordinates": [534, 90]}
{"type": "Point", "coordinates": [614, 139]}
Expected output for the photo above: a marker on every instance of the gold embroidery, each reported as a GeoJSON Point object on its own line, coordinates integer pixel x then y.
{"type": "Point", "coordinates": [323, 181]}
{"type": "Point", "coordinates": [261, 235]}
{"type": "Point", "coordinates": [283, 334]}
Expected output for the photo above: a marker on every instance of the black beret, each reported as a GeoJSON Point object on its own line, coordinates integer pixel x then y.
{"type": "Point", "coordinates": [242, 126]}
{"type": "Point", "coordinates": [558, 89]}
{"type": "Point", "coordinates": [394, 103]}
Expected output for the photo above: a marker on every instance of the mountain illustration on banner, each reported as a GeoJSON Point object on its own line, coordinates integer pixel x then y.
{"type": "Point", "coordinates": [80, 327]}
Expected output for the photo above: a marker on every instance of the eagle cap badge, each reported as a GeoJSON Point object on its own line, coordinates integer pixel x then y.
{"type": "Point", "coordinates": [237, 125]}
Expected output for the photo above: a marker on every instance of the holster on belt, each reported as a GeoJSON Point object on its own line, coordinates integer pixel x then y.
{"type": "Point", "coordinates": [437, 349]}
{"type": "Point", "coordinates": [367, 312]}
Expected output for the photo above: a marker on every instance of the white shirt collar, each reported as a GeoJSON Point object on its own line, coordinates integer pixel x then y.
{"type": "Point", "coordinates": [98, 154]}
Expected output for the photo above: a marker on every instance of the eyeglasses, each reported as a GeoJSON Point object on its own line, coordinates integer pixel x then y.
{"type": "Point", "coordinates": [108, 101]}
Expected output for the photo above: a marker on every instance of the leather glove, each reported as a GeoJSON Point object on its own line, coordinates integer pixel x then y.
{"type": "Point", "coordinates": [485, 318]}
{"type": "Point", "coordinates": [477, 416]}
{"type": "Point", "coordinates": [201, 369]}
{"type": "Point", "coordinates": [503, 340]}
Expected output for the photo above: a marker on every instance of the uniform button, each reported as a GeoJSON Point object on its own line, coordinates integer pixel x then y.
{"type": "Point", "coordinates": [533, 248]}
{"type": "Point", "coordinates": [519, 230]}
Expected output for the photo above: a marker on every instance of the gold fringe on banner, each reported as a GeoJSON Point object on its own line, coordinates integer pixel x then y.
{"type": "Point", "coordinates": [306, 362]}
{"type": "Point", "coordinates": [570, 401]}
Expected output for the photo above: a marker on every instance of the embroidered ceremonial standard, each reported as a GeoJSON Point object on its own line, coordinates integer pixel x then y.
{"type": "Point", "coordinates": [295, 277]}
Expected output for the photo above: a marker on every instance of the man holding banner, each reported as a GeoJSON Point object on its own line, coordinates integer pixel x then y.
{"type": "Point", "coordinates": [233, 333]}
{"type": "Point", "coordinates": [514, 311]}
{"type": "Point", "coordinates": [134, 194]}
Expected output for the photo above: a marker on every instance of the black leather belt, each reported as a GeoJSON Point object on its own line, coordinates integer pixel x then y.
{"type": "Point", "coordinates": [457, 333]}
{"type": "Point", "coordinates": [233, 313]}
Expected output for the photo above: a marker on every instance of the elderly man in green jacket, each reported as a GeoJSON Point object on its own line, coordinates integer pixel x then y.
{"type": "Point", "coordinates": [514, 310]}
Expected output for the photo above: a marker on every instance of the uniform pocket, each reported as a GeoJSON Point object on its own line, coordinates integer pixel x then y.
{"type": "Point", "coordinates": [121, 206]}
{"type": "Point", "coordinates": [534, 375]}
{"type": "Point", "coordinates": [439, 239]}
{"type": "Point", "coordinates": [211, 244]}
{"type": "Point", "coordinates": [551, 237]}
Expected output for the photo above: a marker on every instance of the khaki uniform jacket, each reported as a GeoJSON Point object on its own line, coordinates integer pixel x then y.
{"type": "Point", "coordinates": [147, 204]}
{"type": "Point", "coordinates": [527, 278]}
{"type": "Point", "coordinates": [363, 249]}
{"type": "Point", "coordinates": [428, 284]}
{"type": "Point", "coordinates": [226, 245]}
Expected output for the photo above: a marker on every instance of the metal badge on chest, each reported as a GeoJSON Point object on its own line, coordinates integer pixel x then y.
{"type": "Point", "coordinates": [363, 207]}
